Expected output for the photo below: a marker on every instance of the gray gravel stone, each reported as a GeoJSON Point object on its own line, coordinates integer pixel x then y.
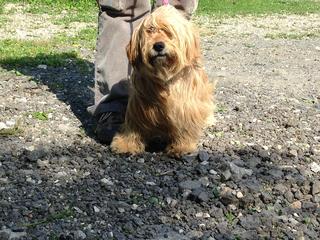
{"type": "Point", "coordinates": [226, 175]}
{"type": "Point", "coordinates": [190, 184]}
{"type": "Point", "coordinates": [239, 172]}
{"type": "Point", "coordinates": [199, 195]}
{"type": "Point", "coordinates": [315, 187]}
{"type": "Point", "coordinates": [250, 222]}
{"type": "Point", "coordinates": [203, 156]}
{"type": "Point", "coordinates": [79, 235]}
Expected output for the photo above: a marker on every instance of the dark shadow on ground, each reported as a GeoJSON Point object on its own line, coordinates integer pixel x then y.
{"type": "Point", "coordinates": [69, 189]}
{"type": "Point", "coordinates": [66, 75]}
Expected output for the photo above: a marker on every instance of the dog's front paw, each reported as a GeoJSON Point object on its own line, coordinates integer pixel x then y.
{"type": "Point", "coordinates": [127, 144]}
{"type": "Point", "coordinates": [178, 150]}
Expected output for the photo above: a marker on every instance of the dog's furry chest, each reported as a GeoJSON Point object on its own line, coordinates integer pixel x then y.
{"type": "Point", "coordinates": [163, 114]}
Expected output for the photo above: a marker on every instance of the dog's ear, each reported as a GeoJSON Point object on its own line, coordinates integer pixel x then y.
{"type": "Point", "coordinates": [132, 51]}
{"type": "Point", "coordinates": [193, 50]}
{"type": "Point", "coordinates": [133, 47]}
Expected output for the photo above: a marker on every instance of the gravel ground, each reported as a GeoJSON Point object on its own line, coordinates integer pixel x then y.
{"type": "Point", "coordinates": [256, 175]}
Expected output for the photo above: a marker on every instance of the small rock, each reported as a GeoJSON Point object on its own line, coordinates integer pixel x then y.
{"type": "Point", "coordinates": [239, 172]}
{"type": "Point", "coordinates": [34, 155]}
{"type": "Point", "coordinates": [204, 163]}
{"type": "Point", "coordinates": [293, 153]}
{"type": "Point", "coordinates": [7, 234]}
{"type": "Point", "coordinates": [309, 206]}
{"type": "Point", "coordinates": [226, 175]}
{"type": "Point", "coordinates": [213, 172]}
{"type": "Point", "coordinates": [61, 174]}
{"type": "Point", "coordinates": [42, 66]}
{"type": "Point", "coordinates": [199, 195]}
{"type": "Point", "coordinates": [298, 195]}
{"type": "Point", "coordinates": [10, 123]}
{"type": "Point", "coordinates": [266, 197]}
{"type": "Point", "coordinates": [232, 207]}
{"type": "Point", "coordinates": [140, 160]}
{"type": "Point", "coordinates": [289, 196]}
{"type": "Point", "coordinates": [315, 167]}
{"type": "Point", "coordinates": [89, 159]}
{"type": "Point", "coordinates": [276, 173]}
{"type": "Point", "coordinates": [4, 180]}
{"type": "Point", "coordinates": [78, 210]}
{"type": "Point", "coordinates": [151, 183]}
{"type": "Point", "coordinates": [79, 235]}
{"type": "Point", "coordinates": [199, 215]}
{"type": "Point", "coordinates": [280, 188]}
{"type": "Point", "coordinates": [204, 181]}
{"type": "Point", "coordinates": [3, 126]}
{"type": "Point", "coordinates": [121, 210]}
{"type": "Point", "coordinates": [250, 222]}
{"type": "Point", "coordinates": [293, 221]}
{"type": "Point", "coordinates": [239, 195]}
{"type": "Point", "coordinates": [186, 193]}
{"type": "Point", "coordinates": [296, 205]}
{"type": "Point", "coordinates": [96, 209]}
{"type": "Point", "coordinates": [203, 156]}
{"type": "Point", "coordinates": [315, 187]}
{"type": "Point", "coordinates": [227, 197]}
{"type": "Point", "coordinates": [189, 158]}
{"type": "Point", "coordinates": [30, 180]}
{"type": "Point", "coordinates": [106, 181]}
{"type": "Point", "coordinates": [316, 198]}
{"type": "Point", "coordinates": [42, 163]}
{"type": "Point", "coordinates": [134, 207]}
{"type": "Point", "coordinates": [194, 234]}
{"type": "Point", "coordinates": [190, 184]}
{"type": "Point", "coordinates": [174, 203]}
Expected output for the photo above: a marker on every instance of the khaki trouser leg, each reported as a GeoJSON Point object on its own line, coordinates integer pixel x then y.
{"type": "Point", "coordinates": [116, 22]}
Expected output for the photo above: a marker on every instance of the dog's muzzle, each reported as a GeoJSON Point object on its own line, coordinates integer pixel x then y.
{"type": "Point", "coordinates": [158, 52]}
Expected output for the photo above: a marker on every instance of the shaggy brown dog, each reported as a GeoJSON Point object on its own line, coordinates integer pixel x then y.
{"type": "Point", "coordinates": [171, 96]}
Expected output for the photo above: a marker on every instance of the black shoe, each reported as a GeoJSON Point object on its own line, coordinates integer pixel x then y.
{"type": "Point", "coordinates": [108, 125]}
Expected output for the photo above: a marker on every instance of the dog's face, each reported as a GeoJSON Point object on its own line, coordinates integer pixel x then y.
{"type": "Point", "coordinates": [164, 42]}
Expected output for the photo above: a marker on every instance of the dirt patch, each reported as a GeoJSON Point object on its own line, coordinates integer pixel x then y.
{"type": "Point", "coordinates": [22, 25]}
{"type": "Point", "coordinates": [261, 26]}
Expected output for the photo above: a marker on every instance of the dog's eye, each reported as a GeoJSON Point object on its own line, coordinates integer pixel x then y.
{"type": "Point", "coordinates": [151, 30]}
{"type": "Point", "coordinates": [167, 32]}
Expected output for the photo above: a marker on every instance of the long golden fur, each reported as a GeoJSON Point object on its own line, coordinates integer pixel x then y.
{"type": "Point", "coordinates": [171, 96]}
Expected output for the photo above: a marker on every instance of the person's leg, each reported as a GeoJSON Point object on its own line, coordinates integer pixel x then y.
{"type": "Point", "coordinates": [117, 19]}
{"type": "Point", "coordinates": [188, 7]}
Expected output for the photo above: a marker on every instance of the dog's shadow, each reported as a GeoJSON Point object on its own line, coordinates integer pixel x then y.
{"type": "Point", "coordinates": [66, 75]}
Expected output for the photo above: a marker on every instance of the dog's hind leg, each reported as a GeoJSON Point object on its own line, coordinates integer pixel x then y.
{"type": "Point", "coordinates": [127, 142]}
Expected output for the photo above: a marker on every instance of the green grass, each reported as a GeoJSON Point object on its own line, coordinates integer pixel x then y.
{"type": "Point", "coordinates": [56, 52]}
{"type": "Point", "coordinates": [18, 53]}
{"type": "Point", "coordinates": [292, 36]}
{"type": "Point", "coordinates": [86, 10]}
{"type": "Point", "coordinates": [230, 217]}
{"type": "Point", "coordinates": [244, 7]}
{"type": "Point", "coordinates": [63, 215]}
{"type": "Point", "coordinates": [14, 131]}
{"type": "Point", "coordinates": [42, 116]}
{"type": "Point", "coordinates": [54, 6]}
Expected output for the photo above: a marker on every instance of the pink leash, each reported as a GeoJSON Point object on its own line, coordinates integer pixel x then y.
{"type": "Point", "coordinates": [165, 2]}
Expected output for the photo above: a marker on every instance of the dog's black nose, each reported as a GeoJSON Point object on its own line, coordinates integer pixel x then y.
{"type": "Point", "coordinates": [159, 46]}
